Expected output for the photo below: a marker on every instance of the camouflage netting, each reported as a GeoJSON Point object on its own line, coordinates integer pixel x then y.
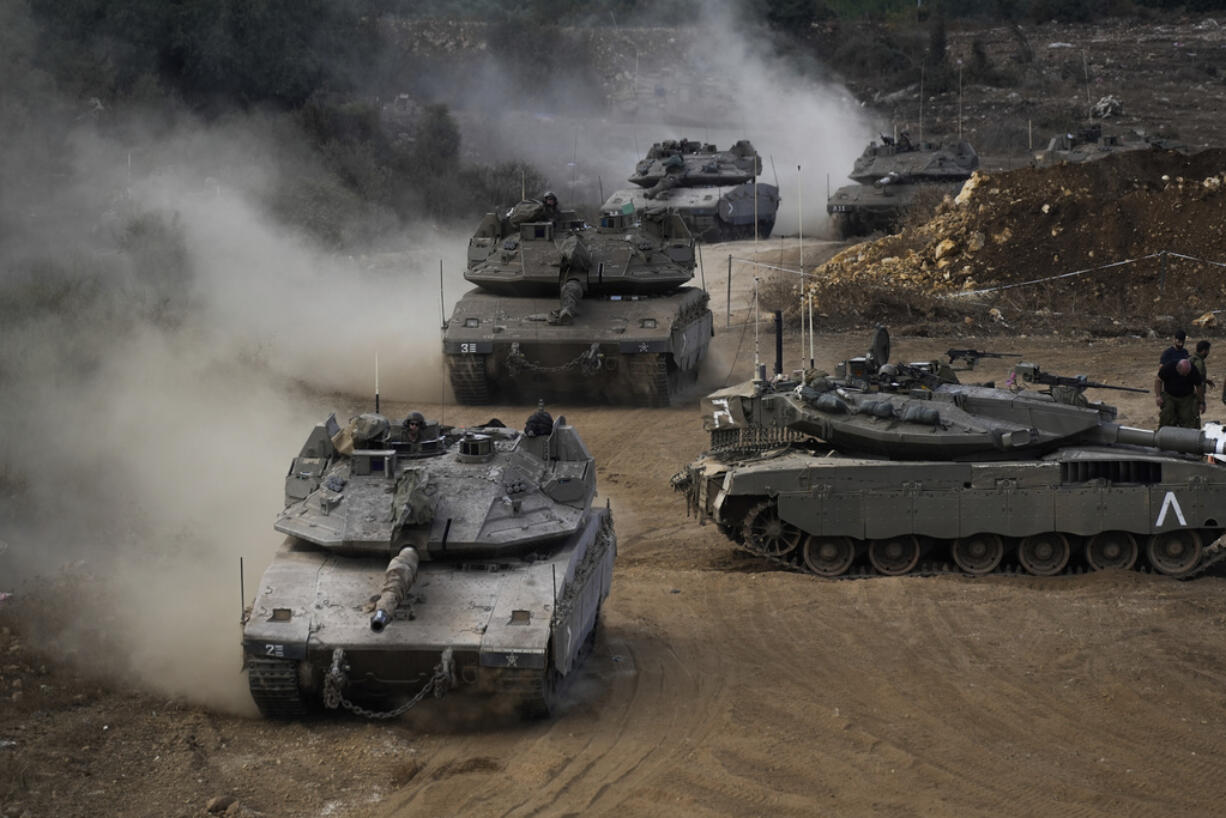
{"type": "Point", "coordinates": [1017, 226]}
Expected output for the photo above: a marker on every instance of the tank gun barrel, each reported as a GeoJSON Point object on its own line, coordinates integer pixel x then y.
{"type": "Point", "coordinates": [399, 577]}
{"type": "Point", "coordinates": [1211, 440]}
{"type": "Point", "coordinates": [1032, 374]}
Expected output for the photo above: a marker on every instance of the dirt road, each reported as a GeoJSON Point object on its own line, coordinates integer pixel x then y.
{"type": "Point", "coordinates": [720, 686]}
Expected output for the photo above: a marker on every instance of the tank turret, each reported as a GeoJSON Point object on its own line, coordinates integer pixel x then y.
{"type": "Point", "coordinates": [425, 558]}
{"type": "Point", "coordinates": [714, 191]}
{"type": "Point", "coordinates": [881, 464]}
{"type": "Point", "coordinates": [891, 176]}
{"type": "Point", "coordinates": [569, 309]}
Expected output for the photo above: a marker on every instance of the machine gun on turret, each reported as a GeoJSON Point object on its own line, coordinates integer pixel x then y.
{"type": "Point", "coordinates": [972, 356]}
{"type": "Point", "coordinates": [1064, 388]}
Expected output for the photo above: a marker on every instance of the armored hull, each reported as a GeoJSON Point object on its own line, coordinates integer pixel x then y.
{"type": "Point", "coordinates": [899, 468]}
{"type": "Point", "coordinates": [858, 210]}
{"type": "Point", "coordinates": [637, 349]}
{"type": "Point", "coordinates": [713, 213]}
{"type": "Point", "coordinates": [466, 561]}
{"type": "Point", "coordinates": [1078, 508]}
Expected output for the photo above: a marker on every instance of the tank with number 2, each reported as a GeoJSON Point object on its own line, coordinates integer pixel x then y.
{"type": "Point", "coordinates": [427, 560]}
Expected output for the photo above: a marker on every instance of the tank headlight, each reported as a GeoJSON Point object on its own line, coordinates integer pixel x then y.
{"type": "Point", "coordinates": [472, 322]}
{"type": "Point", "coordinates": [648, 323]}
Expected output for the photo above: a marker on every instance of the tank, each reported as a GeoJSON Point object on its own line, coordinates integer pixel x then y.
{"type": "Point", "coordinates": [567, 310]}
{"type": "Point", "coordinates": [893, 176]}
{"type": "Point", "coordinates": [423, 559]}
{"type": "Point", "coordinates": [714, 191]}
{"type": "Point", "coordinates": [900, 468]}
{"type": "Point", "coordinates": [1090, 143]}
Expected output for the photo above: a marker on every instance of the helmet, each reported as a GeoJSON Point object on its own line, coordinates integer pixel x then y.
{"type": "Point", "coordinates": [549, 198]}
{"type": "Point", "coordinates": [415, 417]}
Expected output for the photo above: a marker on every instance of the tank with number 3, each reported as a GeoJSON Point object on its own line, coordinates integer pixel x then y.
{"type": "Point", "coordinates": [564, 310]}
{"type": "Point", "coordinates": [427, 560]}
{"type": "Point", "coordinates": [900, 468]}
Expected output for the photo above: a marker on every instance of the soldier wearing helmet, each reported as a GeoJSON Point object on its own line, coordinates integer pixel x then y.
{"type": "Point", "coordinates": [414, 427]}
{"type": "Point", "coordinates": [550, 200]}
{"type": "Point", "coordinates": [1179, 391]}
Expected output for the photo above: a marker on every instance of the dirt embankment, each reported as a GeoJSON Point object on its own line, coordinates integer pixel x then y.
{"type": "Point", "coordinates": [1011, 228]}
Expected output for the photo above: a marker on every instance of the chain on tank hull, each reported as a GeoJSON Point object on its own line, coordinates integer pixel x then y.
{"type": "Point", "coordinates": [1078, 510]}
{"type": "Point", "coordinates": [638, 350]}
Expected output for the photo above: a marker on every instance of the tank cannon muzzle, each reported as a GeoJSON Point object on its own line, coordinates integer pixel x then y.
{"type": "Point", "coordinates": [397, 580]}
{"type": "Point", "coordinates": [1210, 440]}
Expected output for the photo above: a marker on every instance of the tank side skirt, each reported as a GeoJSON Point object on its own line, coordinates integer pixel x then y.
{"type": "Point", "coordinates": [1083, 511]}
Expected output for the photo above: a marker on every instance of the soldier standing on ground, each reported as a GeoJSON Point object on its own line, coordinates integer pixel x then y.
{"type": "Point", "coordinates": [1199, 360]}
{"type": "Point", "coordinates": [1179, 392]}
{"type": "Point", "coordinates": [1176, 350]}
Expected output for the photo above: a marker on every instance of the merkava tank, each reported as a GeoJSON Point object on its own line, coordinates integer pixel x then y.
{"type": "Point", "coordinates": [564, 309]}
{"type": "Point", "coordinates": [1090, 143]}
{"type": "Point", "coordinates": [714, 191]}
{"type": "Point", "coordinates": [899, 468]}
{"type": "Point", "coordinates": [893, 176]}
{"type": "Point", "coordinates": [427, 559]}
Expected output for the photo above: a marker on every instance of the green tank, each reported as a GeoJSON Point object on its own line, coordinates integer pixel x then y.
{"type": "Point", "coordinates": [900, 468]}
{"type": "Point", "coordinates": [892, 176]}
{"type": "Point", "coordinates": [713, 191]}
{"type": "Point", "coordinates": [428, 560]}
{"type": "Point", "coordinates": [1090, 143]}
{"type": "Point", "coordinates": [565, 310]}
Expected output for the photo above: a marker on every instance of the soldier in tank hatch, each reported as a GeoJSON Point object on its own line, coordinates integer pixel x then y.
{"type": "Point", "coordinates": [414, 425]}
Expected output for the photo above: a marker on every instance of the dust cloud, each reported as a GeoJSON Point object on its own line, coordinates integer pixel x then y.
{"type": "Point", "coordinates": [719, 81]}
{"type": "Point", "coordinates": [166, 345]}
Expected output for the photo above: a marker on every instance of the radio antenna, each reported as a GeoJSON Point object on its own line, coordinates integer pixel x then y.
{"type": "Point", "coordinates": [376, 381]}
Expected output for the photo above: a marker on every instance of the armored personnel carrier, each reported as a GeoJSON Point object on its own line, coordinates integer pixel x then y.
{"type": "Point", "coordinates": [714, 191]}
{"type": "Point", "coordinates": [899, 468]}
{"type": "Point", "coordinates": [892, 176]}
{"type": "Point", "coordinates": [427, 559]}
{"type": "Point", "coordinates": [565, 309]}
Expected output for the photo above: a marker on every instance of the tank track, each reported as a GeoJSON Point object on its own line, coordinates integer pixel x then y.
{"type": "Point", "coordinates": [650, 371]}
{"type": "Point", "coordinates": [534, 692]}
{"type": "Point", "coordinates": [793, 561]}
{"type": "Point", "coordinates": [274, 686]}
{"type": "Point", "coordinates": [468, 379]}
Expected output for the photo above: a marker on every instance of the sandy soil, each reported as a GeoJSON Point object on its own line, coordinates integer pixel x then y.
{"type": "Point", "coordinates": [720, 685]}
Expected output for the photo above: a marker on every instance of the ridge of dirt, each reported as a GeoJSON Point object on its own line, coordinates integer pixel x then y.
{"type": "Point", "coordinates": [1016, 226]}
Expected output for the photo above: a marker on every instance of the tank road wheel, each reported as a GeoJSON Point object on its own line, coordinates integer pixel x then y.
{"type": "Point", "coordinates": [894, 556]}
{"type": "Point", "coordinates": [468, 379]}
{"type": "Point", "coordinates": [274, 686]}
{"type": "Point", "coordinates": [828, 556]}
{"type": "Point", "coordinates": [979, 553]}
{"type": "Point", "coordinates": [1044, 555]}
{"type": "Point", "coordinates": [1112, 549]}
{"type": "Point", "coordinates": [1174, 553]}
{"type": "Point", "coordinates": [765, 533]}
